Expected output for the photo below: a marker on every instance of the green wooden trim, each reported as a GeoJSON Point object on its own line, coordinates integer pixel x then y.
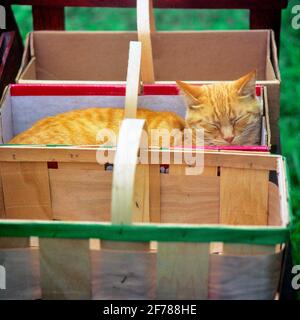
{"type": "Point", "coordinates": [145, 232]}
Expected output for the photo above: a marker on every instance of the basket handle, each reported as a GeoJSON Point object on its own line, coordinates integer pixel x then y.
{"type": "Point", "coordinates": [146, 25]}
{"type": "Point", "coordinates": [133, 79]}
{"type": "Point", "coordinates": [130, 134]}
{"type": "Point", "coordinates": [125, 164]}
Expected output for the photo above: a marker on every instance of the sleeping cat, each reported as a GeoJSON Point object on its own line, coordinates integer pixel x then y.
{"type": "Point", "coordinates": [228, 112]}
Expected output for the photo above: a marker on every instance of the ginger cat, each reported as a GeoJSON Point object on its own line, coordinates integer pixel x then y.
{"type": "Point", "coordinates": [228, 112]}
{"type": "Point", "coordinates": [80, 127]}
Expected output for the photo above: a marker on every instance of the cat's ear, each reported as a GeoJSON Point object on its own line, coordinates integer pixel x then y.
{"type": "Point", "coordinates": [191, 94]}
{"type": "Point", "coordinates": [246, 84]}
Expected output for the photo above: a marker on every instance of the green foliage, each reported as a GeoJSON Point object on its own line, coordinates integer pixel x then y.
{"type": "Point", "coordinates": [125, 19]}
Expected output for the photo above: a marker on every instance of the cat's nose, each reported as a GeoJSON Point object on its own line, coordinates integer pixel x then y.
{"type": "Point", "coordinates": [229, 139]}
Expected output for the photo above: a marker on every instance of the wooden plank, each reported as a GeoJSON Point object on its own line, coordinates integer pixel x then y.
{"type": "Point", "coordinates": [144, 28]}
{"type": "Point", "coordinates": [80, 194]}
{"type": "Point", "coordinates": [244, 196]}
{"type": "Point", "coordinates": [26, 190]}
{"type": "Point", "coordinates": [80, 166]}
{"type": "Point", "coordinates": [133, 79]}
{"type": "Point", "coordinates": [182, 270]}
{"type": "Point", "coordinates": [246, 249]}
{"type": "Point", "coordinates": [141, 210]}
{"type": "Point", "coordinates": [274, 218]}
{"type": "Point", "coordinates": [209, 171]}
{"type": "Point", "coordinates": [11, 243]}
{"type": "Point", "coordinates": [79, 155]}
{"type": "Point", "coordinates": [177, 169]}
{"type": "Point", "coordinates": [154, 192]}
{"type": "Point", "coordinates": [65, 269]}
{"type": "Point", "coordinates": [200, 194]}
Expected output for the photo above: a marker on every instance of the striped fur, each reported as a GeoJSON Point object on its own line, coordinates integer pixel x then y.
{"type": "Point", "coordinates": [81, 127]}
{"type": "Point", "coordinates": [229, 112]}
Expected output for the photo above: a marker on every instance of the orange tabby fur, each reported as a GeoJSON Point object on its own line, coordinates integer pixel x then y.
{"type": "Point", "coordinates": [80, 127]}
{"type": "Point", "coordinates": [229, 112]}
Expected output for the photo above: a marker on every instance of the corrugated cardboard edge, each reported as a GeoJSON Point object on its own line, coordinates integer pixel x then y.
{"type": "Point", "coordinates": [27, 54]}
{"type": "Point", "coordinates": [4, 96]}
{"type": "Point", "coordinates": [267, 116]}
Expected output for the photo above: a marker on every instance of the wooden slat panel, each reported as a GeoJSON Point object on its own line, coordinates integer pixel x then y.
{"type": "Point", "coordinates": [154, 192]}
{"type": "Point", "coordinates": [201, 195]}
{"type": "Point", "coordinates": [65, 269]}
{"type": "Point", "coordinates": [274, 218]}
{"type": "Point", "coordinates": [210, 171]}
{"type": "Point", "coordinates": [244, 277]}
{"type": "Point", "coordinates": [177, 169]}
{"type": "Point", "coordinates": [141, 194]}
{"type": "Point", "coordinates": [79, 155]}
{"type": "Point", "coordinates": [123, 275]}
{"type": "Point", "coordinates": [246, 249]}
{"type": "Point", "coordinates": [82, 166]}
{"type": "Point", "coordinates": [2, 207]}
{"type": "Point", "coordinates": [81, 194]}
{"type": "Point", "coordinates": [26, 190]}
{"type": "Point", "coordinates": [182, 270]}
{"type": "Point", "coordinates": [9, 242]}
{"type": "Point", "coordinates": [244, 196]}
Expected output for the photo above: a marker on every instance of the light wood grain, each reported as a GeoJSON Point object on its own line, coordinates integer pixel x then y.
{"type": "Point", "coordinates": [145, 24]}
{"type": "Point", "coordinates": [246, 249]}
{"type": "Point", "coordinates": [182, 270]}
{"type": "Point", "coordinates": [210, 171]}
{"type": "Point", "coordinates": [26, 190]}
{"type": "Point", "coordinates": [190, 199]}
{"type": "Point", "coordinates": [244, 196]}
{"type": "Point", "coordinates": [133, 79]}
{"type": "Point", "coordinates": [154, 192]}
{"type": "Point", "coordinates": [81, 166]}
{"type": "Point", "coordinates": [65, 269]}
{"type": "Point", "coordinates": [81, 194]}
{"type": "Point", "coordinates": [80, 155]}
{"type": "Point", "coordinates": [141, 210]}
{"type": "Point", "coordinates": [274, 218]}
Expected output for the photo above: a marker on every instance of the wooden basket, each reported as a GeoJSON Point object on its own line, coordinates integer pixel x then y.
{"type": "Point", "coordinates": [219, 234]}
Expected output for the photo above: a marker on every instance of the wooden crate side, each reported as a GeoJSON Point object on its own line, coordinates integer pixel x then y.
{"type": "Point", "coordinates": [274, 218]}
{"type": "Point", "coordinates": [26, 190]}
{"type": "Point", "coordinates": [141, 210]}
{"type": "Point", "coordinates": [154, 193]}
{"type": "Point", "coordinates": [246, 249]}
{"type": "Point", "coordinates": [244, 201]}
{"type": "Point", "coordinates": [200, 194]}
{"type": "Point", "coordinates": [244, 196]}
{"type": "Point", "coordinates": [65, 269]}
{"type": "Point", "coordinates": [80, 194]}
{"type": "Point", "coordinates": [182, 270]}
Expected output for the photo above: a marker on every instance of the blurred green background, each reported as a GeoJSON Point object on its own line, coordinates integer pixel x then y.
{"type": "Point", "coordinates": [125, 19]}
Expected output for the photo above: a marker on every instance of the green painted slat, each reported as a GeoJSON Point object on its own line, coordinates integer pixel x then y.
{"type": "Point", "coordinates": [145, 232]}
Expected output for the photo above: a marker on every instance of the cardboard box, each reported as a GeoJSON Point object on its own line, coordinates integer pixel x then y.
{"type": "Point", "coordinates": [93, 57]}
